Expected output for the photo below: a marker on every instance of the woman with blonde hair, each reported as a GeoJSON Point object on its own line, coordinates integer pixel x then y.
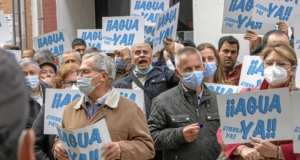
{"type": "Point", "coordinates": [65, 79]}
{"type": "Point", "coordinates": [213, 66]}
{"type": "Point", "coordinates": [280, 62]}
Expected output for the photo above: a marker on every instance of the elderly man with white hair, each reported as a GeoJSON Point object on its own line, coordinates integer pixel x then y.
{"type": "Point", "coordinates": [184, 120]}
{"type": "Point", "coordinates": [126, 123]}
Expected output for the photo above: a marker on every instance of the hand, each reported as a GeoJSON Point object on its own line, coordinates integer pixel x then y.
{"type": "Point", "coordinates": [123, 52]}
{"type": "Point", "coordinates": [169, 46]}
{"type": "Point", "coordinates": [49, 81]}
{"type": "Point", "coordinates": [265, 148]}
{"type": "Point", "coordinates": [113, 151]}
{"type": "Point", "coordinates": [252, 37]}
{"type": "Point", "coordinates": [283, 27]}
{"type": "Point", "coordinates": [60, 152]}
{"type": "Point", "coordinates": [249, 153]}
{"type": "Point", "coordinates": [190, 132]}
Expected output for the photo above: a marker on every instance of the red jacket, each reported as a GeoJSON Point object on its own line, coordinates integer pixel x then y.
{"type": "Point", "coordinates": [233, 75]}
{"type": "Point", "coordinates": [286, 146]}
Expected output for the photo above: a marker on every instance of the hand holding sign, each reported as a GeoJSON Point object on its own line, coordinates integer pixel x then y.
{"type": "Point", "coordinates": [60, 152]}
{"type": "Point", "coordinates": [265, 148]}
{"type": "Point", "coordinates": [113, 151]}
{"type": "Point", "coordinates": [190, 132]}
{"type": "Point", "coordinates": [169, 46]}
{"type": "Point", "coordinates": [252, 37]}
{"type": "Point", "coordinates": [283, 27]}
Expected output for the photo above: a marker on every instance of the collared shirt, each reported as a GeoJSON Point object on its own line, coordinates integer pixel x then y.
{"type": "Point", "coordinates": [199, 97]}
{"type": "Point", "coordinates": [92, 110]}
{"type": "Point", "coordinates": [38, 98]}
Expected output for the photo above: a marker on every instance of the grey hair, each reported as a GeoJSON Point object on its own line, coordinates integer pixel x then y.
{"type": "Point", "coordinates": [180, 45]}
{"type": "Point", "coordinates": [185, 51]}
{"type": "Point", "coordinates": [103, 63]}
{"type": "Point", "coordinates": [44, 54]}
{"type": "Point", "coordinates": [72, 51]}
{"type": "Point", "coordinates": [131, 49]}
{"type": "Point", "coordinates": [27, 61]}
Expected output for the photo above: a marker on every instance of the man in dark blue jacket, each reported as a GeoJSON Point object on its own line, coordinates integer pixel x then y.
{"type": "Point", "coordinates": [154, 79]}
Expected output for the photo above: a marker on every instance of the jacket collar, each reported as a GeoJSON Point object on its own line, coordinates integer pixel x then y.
{"type": "Point", "coordinates": [191, 96]}
{"type": "Point", "coordinates": [111, 101]}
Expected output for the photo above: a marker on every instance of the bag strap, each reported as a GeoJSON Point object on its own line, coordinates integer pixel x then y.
{"type": "Point", "coordinates": [138, 83]}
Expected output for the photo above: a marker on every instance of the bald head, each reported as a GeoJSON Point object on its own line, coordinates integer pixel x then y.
{"type": "Point", "coordinates": [28, 53]}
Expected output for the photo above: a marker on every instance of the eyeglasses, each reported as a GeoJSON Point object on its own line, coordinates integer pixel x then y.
{"type": "Point", "coordinates": [277, 63]}
{"type": "Point", "coordinates": [69, 83]}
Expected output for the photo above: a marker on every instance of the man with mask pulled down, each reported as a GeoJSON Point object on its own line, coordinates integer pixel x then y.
{"type": "Point", "coordinates": [152, 79]}
{"type": "Point", "coordinates": [183, 120]}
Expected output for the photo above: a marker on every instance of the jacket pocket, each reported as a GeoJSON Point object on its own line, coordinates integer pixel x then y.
{"type": "Point", "coordinates": [212, 116]}
{"type": "Point", "coordinates": [181, 120]}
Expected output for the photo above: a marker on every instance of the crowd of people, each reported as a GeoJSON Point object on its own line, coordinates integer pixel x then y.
{"type": "Point", "coordinates": [182, 119]}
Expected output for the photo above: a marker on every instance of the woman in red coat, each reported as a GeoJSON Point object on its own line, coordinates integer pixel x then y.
{"type": "Point", "coordinates": [280, 62]}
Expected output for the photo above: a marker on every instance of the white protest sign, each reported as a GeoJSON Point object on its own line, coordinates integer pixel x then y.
{"type": "Point", "coordinates": [252, 72]}
{"type": "Point", "coordinates": [10, 25]}
{"type": "Point", "coordinates": [4, 29]}
{"type": "Point", "coordinates": [297, 35]}
{"type": "Point", "coordinates": [16, 54]}
{"type": "Point", "coordinates": [122, 31]}
{"type": "Point", "coordinates": [149, 33]}
{"type": "Point", "coordinates": [296, 121]}
{"type": "Point", "coordinates": [57, 99]}
{"type": "Point", "coordinates": [149, 9]}
{"type": "Point", "coordinates": [266, 114]}
{"type": "Point", "coordinates": [237, 18]}
{"type": "Point", "coordinates": [92, 37]}
{"type": "Point", "coordinates": [270, 11]}
{"type": "Point", "coordinates": [222, 88]}
{"type": "Point", "coordinates": [57, 42]}
{"type": "Point", "coordinates": [55, 102]}
{"type": "Point", "coordinates": [166, 26]}
{"type": "Point", "coordinates": [85, 143]}
{"type": "Point", "coordinates": [135, 95]}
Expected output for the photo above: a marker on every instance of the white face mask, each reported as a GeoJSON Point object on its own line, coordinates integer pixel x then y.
{"type": "Point", "coordinates": [275, 75]}
{"type": "Point", "coordinates": [72, 87]}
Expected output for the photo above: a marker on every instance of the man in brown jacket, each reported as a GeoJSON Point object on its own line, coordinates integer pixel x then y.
{"type": "Point", "coordinates": [126, 123]}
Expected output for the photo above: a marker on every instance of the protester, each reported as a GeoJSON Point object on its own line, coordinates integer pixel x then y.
{"type": "Point", "coordinates": [90, 50]}
{"type": "Point", "coordinates": [28, 53]}
{"type": "Point", "coordinates": [44, 55]}
{"type": "Point", "coordinates": [275, 35]}
{"type": "Point", "coordinates": [66, 78]}
{"type": "Point", "coordinates": [79, 45]}
{"type": "Point", "coordinates": [213, 72]}
{"type": "Point", "coordinates": [16, 143]}
{"type": "Point", "coordinates": [47, 73]}
{"type": "Point", "coordinates": [31, 71]}
{"type": "Point", "coordinates": [280, 62]}
{"type": "Point", "coordinates": [153, 80]}
{"type": "Point", "coordinates": [71, 56]}
{"type": "Point", "coordinates": [177, 114]}
{"type": "Point", "coordinates": [188, 43]}
{"type": "Point", "coordinates": [130, 134]}
{"type": "Point", "coordinates": [123, 62]}
{"type": "Point", "coordinates": [228, 51]}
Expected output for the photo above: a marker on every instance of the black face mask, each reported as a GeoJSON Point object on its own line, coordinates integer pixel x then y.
{"type": "Point", "coordinates": [161, 61]}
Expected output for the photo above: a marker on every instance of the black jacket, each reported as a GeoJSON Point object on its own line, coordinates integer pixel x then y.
{"type": "Point", "coordinates": [158, 80]}
{"type": "Point", "coordinates": [43, 143]}
{"type": "Point", "coordinates": [172, 111]}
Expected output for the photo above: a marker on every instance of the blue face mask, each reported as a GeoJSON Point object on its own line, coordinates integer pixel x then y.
{"type": "Point", "coordinates": [145, 72]}
{"type": "Point", "coordinates": [155, 60]}
{"type": "Point", "coordinates": [193, 79]}
{"type": "Point", "coordinates": [119, 63]}
{"type": "Point", "coordinates": [32, 81]}
{"type": "Point", "coordinates": [85, 84]}
{"type": "Point", "coordinates": [210, 69]}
